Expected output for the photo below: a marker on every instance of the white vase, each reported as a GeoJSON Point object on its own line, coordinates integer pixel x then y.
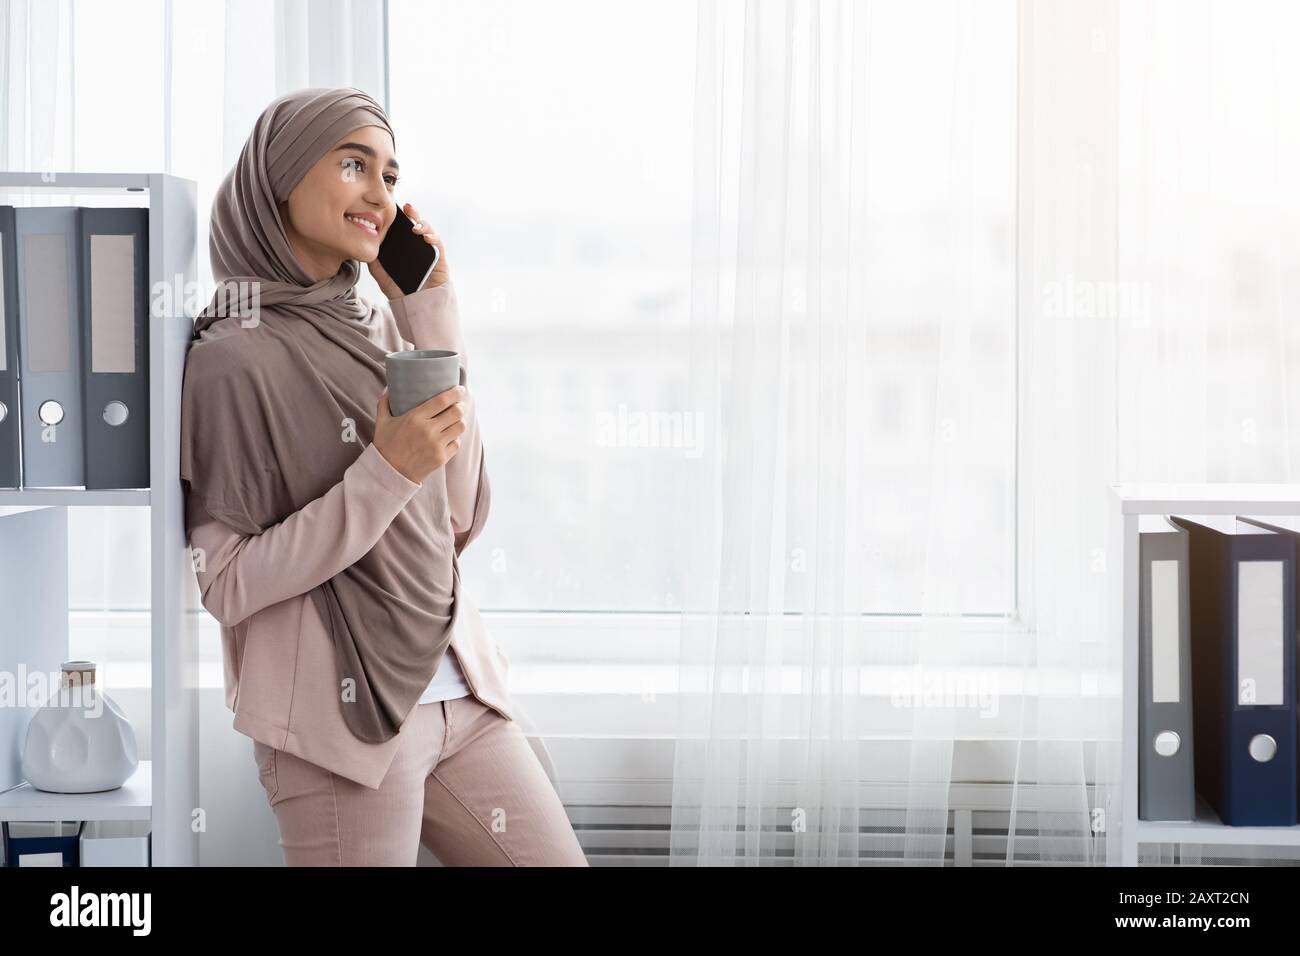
{"type": "Point", "coordinates": [80, 741]}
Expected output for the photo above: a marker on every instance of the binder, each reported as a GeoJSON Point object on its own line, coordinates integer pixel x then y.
{"type": "Point", "coordinates": [1289, 527]}
{"type": "Point", "coordinates": [49, 346]}
{"type": "Point", "coordinates": [114, 328]}
{"type": "Point", "coordinates": [10, 410]}
{"type": "Point", "coordinates": [1243, 669]}
{"type": "Point", "coordinates": [1166, 766]}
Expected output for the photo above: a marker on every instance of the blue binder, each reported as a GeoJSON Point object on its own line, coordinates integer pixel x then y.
{"type": "Point", "coordinates": [1243, 586]}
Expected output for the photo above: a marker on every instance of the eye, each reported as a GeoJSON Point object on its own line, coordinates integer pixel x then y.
{"type": "Point", "coordinates": [359, 165]}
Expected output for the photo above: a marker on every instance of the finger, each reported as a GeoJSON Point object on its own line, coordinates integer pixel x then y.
{"type": "Point", "coordinates": [432, 406]}
{"type": "Point", "coordinates": [420, 225]}
{"type": "Point", "coordinates": [452, 413]}
{"type": "Point", "coordinates": [448, 424]}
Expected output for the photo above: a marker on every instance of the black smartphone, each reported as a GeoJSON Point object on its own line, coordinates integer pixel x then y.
{"type": "Point", "coordinates": [405, 255]}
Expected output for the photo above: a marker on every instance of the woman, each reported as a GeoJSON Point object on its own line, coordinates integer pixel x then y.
{"type": "Point", "coordinates": [325, 530]}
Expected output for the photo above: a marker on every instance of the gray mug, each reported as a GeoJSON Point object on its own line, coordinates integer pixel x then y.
{"type": "Point", "coordinates": [416, 376]}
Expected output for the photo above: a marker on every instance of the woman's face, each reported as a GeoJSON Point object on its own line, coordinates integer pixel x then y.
{"type": "Point", "coordinates": [353, 181]}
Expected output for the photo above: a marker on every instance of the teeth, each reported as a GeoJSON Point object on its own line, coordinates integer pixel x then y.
{"type": "Point", "coordinates": [364, 222]}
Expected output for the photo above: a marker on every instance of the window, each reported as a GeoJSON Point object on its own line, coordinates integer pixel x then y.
{"type": "Point", "coordinates": [558, 172]}
{"type": "Point", "coordinates": [552, 147]}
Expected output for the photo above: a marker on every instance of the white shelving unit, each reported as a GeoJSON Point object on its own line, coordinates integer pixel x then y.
{"type": "Point", "coordinates": [34, 558]}
{"type": "Point", "coordinates": [131, 801]}
{"type": "Point", "coordinates": [1131, 501]}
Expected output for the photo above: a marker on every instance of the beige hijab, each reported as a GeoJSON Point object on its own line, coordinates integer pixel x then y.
{"type": "Point", "coordinates": [274, 411]}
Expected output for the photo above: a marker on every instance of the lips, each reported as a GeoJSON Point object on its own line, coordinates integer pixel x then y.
{"type": "Point", "coordinates": [367, 221]}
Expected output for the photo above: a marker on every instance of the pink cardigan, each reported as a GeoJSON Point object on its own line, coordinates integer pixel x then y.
{"type": "Point", "coordinates": [281, 676]}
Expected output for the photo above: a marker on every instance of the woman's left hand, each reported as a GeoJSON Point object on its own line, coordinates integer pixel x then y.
{"type": "Point", "coordinates": [437, 277]}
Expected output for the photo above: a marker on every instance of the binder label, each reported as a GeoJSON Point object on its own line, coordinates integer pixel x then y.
{"type": "Point", "coordinates": [1260, 618]}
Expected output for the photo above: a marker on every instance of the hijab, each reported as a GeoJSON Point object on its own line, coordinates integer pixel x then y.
{"type": "Point", "coordinates": [279, 400]}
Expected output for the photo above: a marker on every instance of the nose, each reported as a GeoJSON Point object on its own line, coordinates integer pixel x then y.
{"type": "Point", "coordinates": [376, 193]}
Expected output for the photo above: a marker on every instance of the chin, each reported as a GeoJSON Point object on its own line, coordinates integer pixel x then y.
{"type": "Point", "coordinates": [362, 251]}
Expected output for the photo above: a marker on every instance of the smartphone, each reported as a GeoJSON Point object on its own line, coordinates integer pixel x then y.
{"type": "Point", "coordinates": [405, 255]}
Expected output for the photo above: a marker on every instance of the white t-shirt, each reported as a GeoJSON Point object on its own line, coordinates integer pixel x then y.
{"type": "Point", "coordinates": [448, 683]}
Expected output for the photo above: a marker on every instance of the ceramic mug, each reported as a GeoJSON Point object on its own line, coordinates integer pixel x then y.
{"type": "Point", "coordinates": [417, 375]}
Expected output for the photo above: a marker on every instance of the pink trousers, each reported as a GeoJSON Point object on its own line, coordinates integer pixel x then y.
{"type": "Point", "coordinates": [465, 783]}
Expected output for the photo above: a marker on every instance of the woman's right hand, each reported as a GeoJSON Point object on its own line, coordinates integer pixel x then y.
{"type": "Point", "coordinates": [423, 439]}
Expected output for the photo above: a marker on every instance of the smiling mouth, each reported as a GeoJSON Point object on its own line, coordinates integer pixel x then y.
{"type": "Point", "coordinates": [362, 223]}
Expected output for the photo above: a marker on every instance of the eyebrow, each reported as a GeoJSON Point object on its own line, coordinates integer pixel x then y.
{"type": "Point", "coordinates": [363, 148]}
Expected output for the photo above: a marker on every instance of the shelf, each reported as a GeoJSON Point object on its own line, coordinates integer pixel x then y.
{"type": "Point", "coordinates": [74, 497]}
{"type": "Point", "coordinates": [1187, 499]}
{"type": "Point", "coordinates": [1214, 499]}
{"type": "Point", "coordinates": [1207, 828]}
{"type": "Point", "coordinates": [75, 182]}
{"type": "Point", "coordinates": [131, 801]}
{"type": "Point", "coordinates": [34, 545]}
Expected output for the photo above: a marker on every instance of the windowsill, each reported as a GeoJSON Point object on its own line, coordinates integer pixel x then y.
{"type": "Point", "coordinates": [603, 654]}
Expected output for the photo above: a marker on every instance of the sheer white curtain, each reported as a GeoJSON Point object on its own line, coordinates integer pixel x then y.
{"type": "Point", "coordinates": [851, 581]}
{"type": "Point", "coordinates": [958, 268]}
